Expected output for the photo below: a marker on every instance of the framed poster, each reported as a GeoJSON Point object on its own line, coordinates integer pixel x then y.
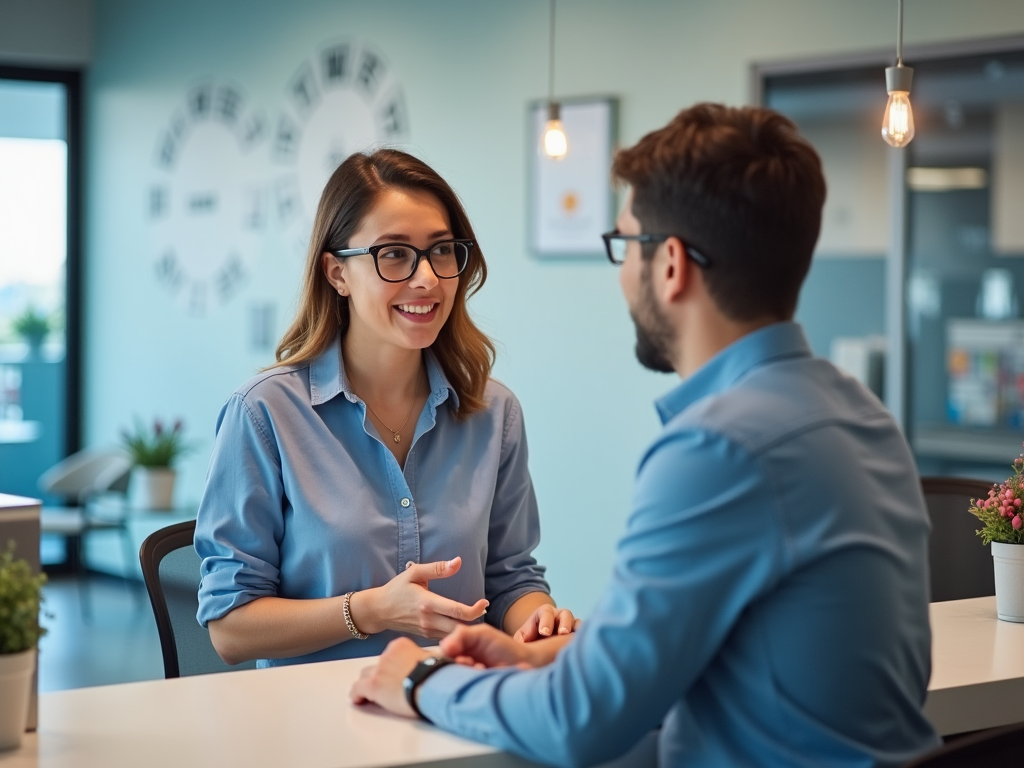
{"type": "Point", "coordinates": [571, 201]}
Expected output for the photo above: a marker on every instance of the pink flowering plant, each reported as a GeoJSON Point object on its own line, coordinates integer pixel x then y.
{"type": "Point", "coordinates": [1001, 513]}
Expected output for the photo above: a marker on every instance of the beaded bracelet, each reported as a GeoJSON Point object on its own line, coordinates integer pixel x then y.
{"type": "Point", "coordinates": [346, 609]}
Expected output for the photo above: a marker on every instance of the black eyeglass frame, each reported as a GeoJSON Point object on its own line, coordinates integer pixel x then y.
{"type": "Point", "coordinates": [421, 254]}
{"type": "Point", "coordinates": [692, 253]}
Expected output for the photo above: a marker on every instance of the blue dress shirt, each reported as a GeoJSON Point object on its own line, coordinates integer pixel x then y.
{"type": "Point", "coordinates": [303, 500]}
{"type": "Point", "coordinates": [769, 603]}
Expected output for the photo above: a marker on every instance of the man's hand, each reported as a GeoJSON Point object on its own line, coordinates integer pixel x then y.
{"type": "Point", "coordinates": [383, 683]}
{"type": "Point", "coordinates": [484, 646]}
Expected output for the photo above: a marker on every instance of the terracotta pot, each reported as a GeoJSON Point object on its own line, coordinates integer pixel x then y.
{"type": "Point", "coordinates": [15, 689]}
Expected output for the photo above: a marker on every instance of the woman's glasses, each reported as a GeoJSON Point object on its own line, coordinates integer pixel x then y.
{"type": "Point", "coordinates": [397, 262]}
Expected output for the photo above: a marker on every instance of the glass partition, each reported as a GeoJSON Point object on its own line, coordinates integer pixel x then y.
{"type": "Point", "coordinates": [924, 246]}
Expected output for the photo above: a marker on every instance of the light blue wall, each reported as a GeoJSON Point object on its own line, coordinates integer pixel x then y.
{"type": "Point", "coordinates": [468, 69]}
{"type": "Point", "coordinates": [842, 297]}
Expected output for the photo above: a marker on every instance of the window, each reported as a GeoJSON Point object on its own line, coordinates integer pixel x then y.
{"type": "Point", "coordinates": [39, 273]}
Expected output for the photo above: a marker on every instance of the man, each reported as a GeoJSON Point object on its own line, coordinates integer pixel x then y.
{"type": "Point", "coordinates": [769, 600]}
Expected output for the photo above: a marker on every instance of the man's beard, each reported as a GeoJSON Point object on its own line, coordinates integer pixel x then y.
{"type": "Point", "coordinates": [655, 336]}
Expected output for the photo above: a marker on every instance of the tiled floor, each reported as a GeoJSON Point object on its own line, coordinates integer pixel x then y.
{"type": "Point", "coordinates": [118, 643]}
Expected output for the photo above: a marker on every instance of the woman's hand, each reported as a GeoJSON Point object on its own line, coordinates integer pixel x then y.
{"type": "Point", "coordinates": [405, 604]}
{"type": "Point", "coordinates": [545, 621]}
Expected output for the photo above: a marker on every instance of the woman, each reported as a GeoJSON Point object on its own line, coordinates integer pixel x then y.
{"type": "Point", "coordinates": [376, 458]}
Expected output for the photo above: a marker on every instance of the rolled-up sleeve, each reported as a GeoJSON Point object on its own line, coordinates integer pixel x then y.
{"type": "Point", "coordinates": [241, 520]}
{"type": "Point", "coordinates": [514, 531]}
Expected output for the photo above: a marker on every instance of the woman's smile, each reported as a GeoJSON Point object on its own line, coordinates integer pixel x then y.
{"type": "Point", "coordinates": [418, 311]}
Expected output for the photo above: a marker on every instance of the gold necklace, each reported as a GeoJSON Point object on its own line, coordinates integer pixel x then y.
{"type": "Point", "coordinates": [396, 434]}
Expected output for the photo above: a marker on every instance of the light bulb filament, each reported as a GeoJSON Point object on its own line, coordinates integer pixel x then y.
{"type": "Point", "coordinates": [898, 122]}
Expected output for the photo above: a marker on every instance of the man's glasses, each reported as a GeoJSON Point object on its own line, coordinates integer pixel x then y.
{"type": "Point", "coordinates": [615, 246]}
{"type": "Point", "coordinates": [397, 262]}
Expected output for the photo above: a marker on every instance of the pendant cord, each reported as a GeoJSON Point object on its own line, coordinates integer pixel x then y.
{"type": "Point", "coordinates": [551, 55]}
{"type": "Point", "coordinates": [396, 434]}
{"type": "Point", "coordinates": [899, 33]}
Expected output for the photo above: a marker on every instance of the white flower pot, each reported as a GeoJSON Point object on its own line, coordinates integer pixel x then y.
{"type": "Point", "coordinates": [152, 488]}
{"type": "Point", "coordinates": [1008, 560]}
{"type": "Point", "coordinates": [15, 688]}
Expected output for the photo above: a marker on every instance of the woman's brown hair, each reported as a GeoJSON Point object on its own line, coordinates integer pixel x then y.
{"type": "Point", "coordinates": [466, 355]}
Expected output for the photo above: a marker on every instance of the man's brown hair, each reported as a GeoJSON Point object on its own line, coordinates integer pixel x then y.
{"type": "Point", "coordinates": [742, 187]}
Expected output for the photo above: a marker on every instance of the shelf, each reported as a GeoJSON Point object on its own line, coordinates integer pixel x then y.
{"type": "Point", "coordinates": [995, 446]}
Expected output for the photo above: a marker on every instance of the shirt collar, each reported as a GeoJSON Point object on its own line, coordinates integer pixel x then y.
{"type": "Point", "coordinates": [327, 378]}
{"type": "Point", "coordinates": [773, 342]}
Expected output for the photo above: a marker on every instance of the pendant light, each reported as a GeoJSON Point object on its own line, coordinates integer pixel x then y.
{"type": "Point", "coordinates": [553, 143]}
{"type": "Point", "coordinates": [898, 122]}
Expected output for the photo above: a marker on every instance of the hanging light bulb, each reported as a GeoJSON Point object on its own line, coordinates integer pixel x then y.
{"type": "Point", "coordinates": [554, 144]}
{"type": "Point", "coordinates": [898, 121]}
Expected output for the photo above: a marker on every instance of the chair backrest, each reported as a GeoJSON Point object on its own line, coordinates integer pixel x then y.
{"type": "Point", "coordinates": [960, 566]}
{"type": "Point", "coordinates": [87, 473]}
{"type": "Point", "coordinates": [170, 567]}
{"type": "Point", "coordinates": [995, 748]}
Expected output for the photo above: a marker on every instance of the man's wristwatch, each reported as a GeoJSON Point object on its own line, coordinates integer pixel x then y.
{"type": "Point", "coordinates": [421, 672]}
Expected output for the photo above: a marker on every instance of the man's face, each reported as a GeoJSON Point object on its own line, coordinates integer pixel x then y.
{"type": "Point", "coordinates": [655, 337]}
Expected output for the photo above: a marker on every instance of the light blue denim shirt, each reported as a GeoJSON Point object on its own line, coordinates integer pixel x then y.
{"type": "Point", "coordinates": [769, 603]}
{"type": "Point", "coordinates": [303, 500]}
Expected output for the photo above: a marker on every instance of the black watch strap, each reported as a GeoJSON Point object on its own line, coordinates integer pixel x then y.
{"type": "Point", "coordinates": [421, 672]}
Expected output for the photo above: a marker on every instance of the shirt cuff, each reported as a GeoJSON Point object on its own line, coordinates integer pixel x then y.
{"type": "Point", "coordinates": [440, 690]}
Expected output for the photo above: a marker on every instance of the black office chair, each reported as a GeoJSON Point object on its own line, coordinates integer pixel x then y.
{"type": "Point", "coordinates": [961, 567]}
{"type": "Point", "coordinates": [170, 567]}
{"type": "Point", "coordinates": [993, 748]}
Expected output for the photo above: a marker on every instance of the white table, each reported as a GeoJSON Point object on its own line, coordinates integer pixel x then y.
{"type": "Point", "coordinates": [301, 715]}
{"type": "Point", "coordinates": [285, 716]}
{"type": "Point", "coordinates": [296, 715]}
{"type": "Point", "coordinates": [977, 667]}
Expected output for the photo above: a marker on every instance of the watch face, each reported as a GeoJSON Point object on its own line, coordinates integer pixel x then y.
{"type": "Point", "coordinates": [208, 203]}
{"type": "Point", "coordinates": [343, 99]}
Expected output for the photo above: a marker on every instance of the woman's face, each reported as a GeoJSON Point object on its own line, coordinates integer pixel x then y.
{"type": "Point", "coordinates": [410, 314]}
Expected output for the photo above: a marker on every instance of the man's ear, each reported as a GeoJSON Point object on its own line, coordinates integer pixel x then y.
{"type": "Point", "coordinates": [334, 270]}
{"type": "Point", "coordinates": [674, 269]}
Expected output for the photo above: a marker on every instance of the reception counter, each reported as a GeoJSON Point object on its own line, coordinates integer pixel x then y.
{"type": "Point", "coordinates": [977, 667]}
{"type": "Point", "coordinates": [301, 715]}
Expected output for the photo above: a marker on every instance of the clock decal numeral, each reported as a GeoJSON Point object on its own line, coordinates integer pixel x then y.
{"type": "Point", "coordinates": [341, 100]}
{"type": "Point", "coordinates": [208, 204]}
{"type": "Point", "coordinates": [225, 176]}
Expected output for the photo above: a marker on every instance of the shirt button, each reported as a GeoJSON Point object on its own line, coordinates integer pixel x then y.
{"type": "Point", "coordinates": [405, 502]}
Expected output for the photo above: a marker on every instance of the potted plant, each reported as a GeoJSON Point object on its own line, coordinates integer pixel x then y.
{"type": "Point", "coordinates": [1002, 526]}
{"type": "Point", "coordinates": [20, 598]}
{"type": "Point", "coordinates": [153, 451]}
{"type": "Point", "coordinates": [32, 326]}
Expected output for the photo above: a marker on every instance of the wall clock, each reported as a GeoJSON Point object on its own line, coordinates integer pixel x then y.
{"type": "Point", "coordinates": [342, 100]}
{"type": "Point", "coordinates": [208, 204]}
